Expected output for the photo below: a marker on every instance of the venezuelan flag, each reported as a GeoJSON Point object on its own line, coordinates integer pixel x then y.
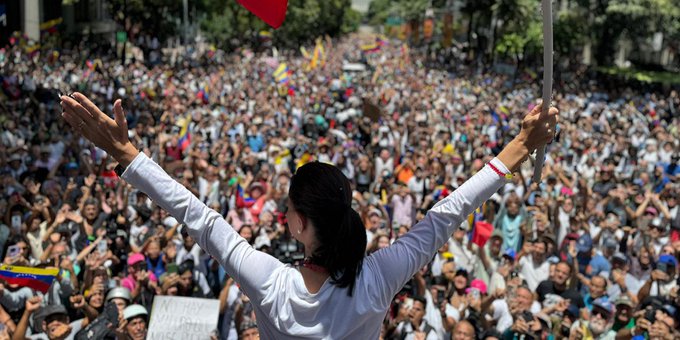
{"type": "Point", "coordinates": [184, 134]}
{"type": "Point", "coordinates": [281, 74]}
{"type": "Point", "coordinates": [370, 48]}
{"type": "Point", "coordinates": [265, 35]}
{"type": "Point", "coordinates": [203, 94]}
{"type": "Point", "coordinates": [35, 278]}
{"type": "Point", "coordinates": [51, 26]}
{"type": "Point", "coordinates": [242, 196]}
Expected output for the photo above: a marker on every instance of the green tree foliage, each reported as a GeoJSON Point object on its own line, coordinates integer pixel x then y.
{"type": "Point", "coordinates": [228, 24]}
{"type": "Point", "coordinates": [601, 23]}
{"type": "Point", "coordinates": [158, 16]}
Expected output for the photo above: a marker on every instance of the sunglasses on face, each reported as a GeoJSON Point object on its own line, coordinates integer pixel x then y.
{"type": "Point", "coordinates": [603, 314]}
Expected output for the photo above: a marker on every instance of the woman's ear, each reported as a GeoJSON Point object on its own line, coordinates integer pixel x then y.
{"type": "Point", "coordinates": [303, 222]}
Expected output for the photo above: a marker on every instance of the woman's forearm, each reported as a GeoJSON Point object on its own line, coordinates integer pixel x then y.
{"type": "Point", "coordinates": [513, 155]}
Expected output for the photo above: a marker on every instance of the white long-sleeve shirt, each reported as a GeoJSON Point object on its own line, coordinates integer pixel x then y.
{"type": "Point", "coordinates": [284, 307]}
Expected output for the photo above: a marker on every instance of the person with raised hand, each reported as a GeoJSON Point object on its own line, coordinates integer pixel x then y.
{"type": "Point", "coordinates": [337, 292]}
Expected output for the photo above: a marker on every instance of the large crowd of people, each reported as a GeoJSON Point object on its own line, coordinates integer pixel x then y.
{"type": "Point", "coordinates": [591, 252]}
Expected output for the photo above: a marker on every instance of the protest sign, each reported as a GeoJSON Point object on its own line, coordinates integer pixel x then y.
{"type": "Point", "coordinates": [174, 317]}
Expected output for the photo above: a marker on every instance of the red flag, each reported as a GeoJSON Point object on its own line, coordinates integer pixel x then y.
{"type": "Point", "coordinates": [481, 233]}
{"type": "Point", "coordinates": [273, 12]}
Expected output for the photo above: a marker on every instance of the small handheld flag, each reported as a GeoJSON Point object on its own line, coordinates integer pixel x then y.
{"type": "Point", "coordinates": [281, 74]}
{"type": "Point", "coordinates": [35, 278]}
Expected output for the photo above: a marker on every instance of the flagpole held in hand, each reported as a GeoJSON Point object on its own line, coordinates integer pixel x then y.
{"type": "Point", "coordinates": [547, 79]}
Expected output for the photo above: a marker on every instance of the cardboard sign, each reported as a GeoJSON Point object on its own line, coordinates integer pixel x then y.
{"type": "Point", "coordinates": [174, 317]}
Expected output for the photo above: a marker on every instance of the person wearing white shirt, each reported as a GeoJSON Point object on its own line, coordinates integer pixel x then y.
{"type": "Point", "coordinates": [293, 302]}
{"type": "Point", "coordinates": [534, 268]}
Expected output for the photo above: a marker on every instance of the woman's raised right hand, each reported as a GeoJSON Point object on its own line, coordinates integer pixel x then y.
{"type": "Point", "coordinates": [111, 135]}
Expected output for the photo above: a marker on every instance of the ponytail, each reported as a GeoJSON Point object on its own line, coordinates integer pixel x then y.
{"type": "Point", "coordinates": [323, 194]}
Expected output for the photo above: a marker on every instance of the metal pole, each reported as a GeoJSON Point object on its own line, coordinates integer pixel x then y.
{"type": "Point", "coordinates": [547, 80]}
{"type": "Point", "coordinates": [125, 30]}
{"type": "Point", "coordinates": [185, 17]}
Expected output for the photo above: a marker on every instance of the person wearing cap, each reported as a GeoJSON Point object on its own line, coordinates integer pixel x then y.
{"type": "Point", "coordinates": [506, 265]}
{"type": "Point", "coordinates": [623, 318]}
{"type": "Point", "coordinates": [120, 296]}
{"type": "Point", "coordinates": [600, 263]}
{"type": "Point", "coordinates": [620, 278]}
{"type": "Point", "coordinates": [662, 280]}
{"type": "Point", "coordinates": [141, 283]}
{"type": "Point", "coordinates": [659, 233]}
{"type": "Point", "coordinates": [15, 166]}
{"type": "Point", "coordinates": [55, 324]}
{"type": "Point", "coordinates": [135, 323]}
{"type": "Point", "coordinates": [248, 330]}
{"type": "Point", "coordinates": [599, 324]}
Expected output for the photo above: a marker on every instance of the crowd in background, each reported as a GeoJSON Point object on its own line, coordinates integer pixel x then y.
{"type": "Point", "coordinates": [589, 253]}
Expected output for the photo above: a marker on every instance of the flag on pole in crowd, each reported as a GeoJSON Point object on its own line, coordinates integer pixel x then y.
{"type": "Point", "coordinates": [51, 26]}
{"type": "Point", "coordinates": [185, 134]}
{"type": "Point", "coordinates": [34, 278]}
{"type": "Point", "coordinates": [370, 48]}
{"type": "Point", "coordinates": [319, 57]}
{"type": "Point", "coordinates": [203, 94]}
{"type": "Point", "coordinates": [405, 56]}
{"type": "Point", "coordinates": [375, 46]}
{"type": "Point", "coordinates": [273, 12]}
{"type": "Point", "coordinates": [265, 35]}
{"type": "Point", "coordinates": [93, 64]}
{"type": "Point", "coordinates": [305, 53]}
{"type": "Point", "coordinates": [481, 232]}
{"type": "Point", "coordinates": [243, 199]}
{"type": "Point", "coordinates": [281, 74]}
